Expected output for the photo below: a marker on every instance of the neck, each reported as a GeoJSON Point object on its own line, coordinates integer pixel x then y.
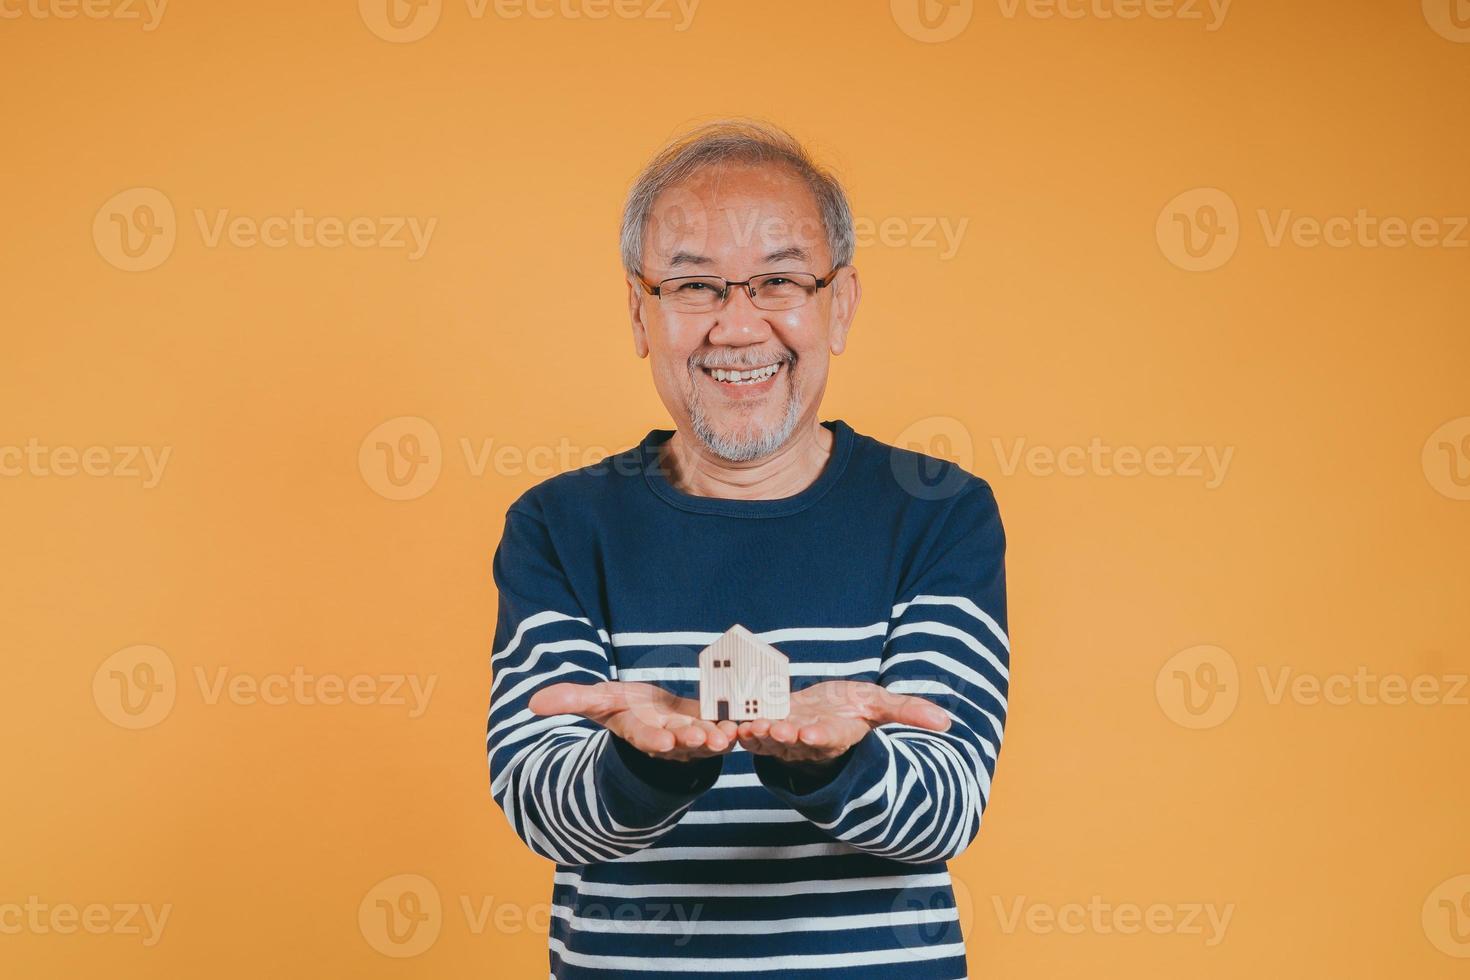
{"type": "Point", "coordinates": [694, 470]}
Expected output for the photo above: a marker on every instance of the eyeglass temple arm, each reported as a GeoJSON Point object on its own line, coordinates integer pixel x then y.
{"type": "Point", "coordinates": [826, 280]}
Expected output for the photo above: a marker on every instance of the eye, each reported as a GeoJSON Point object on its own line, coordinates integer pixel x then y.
{"type": "Point", "coordinates": [694, 287]}
{"type": "Point", "coordinates": [779, 285]}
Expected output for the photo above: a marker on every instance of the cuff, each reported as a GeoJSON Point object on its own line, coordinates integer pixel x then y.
{"type": "Point", "coordinates": [640, 790]}
{"type": "Point", "coordinates": [822, 797]}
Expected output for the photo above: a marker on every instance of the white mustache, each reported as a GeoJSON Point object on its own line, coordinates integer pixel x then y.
{"type": "Point", "coordinates": [741, 367]}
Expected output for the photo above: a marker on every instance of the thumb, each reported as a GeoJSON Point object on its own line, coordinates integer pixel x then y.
{"type": "Point", "coordinates": [905, 709]}
{"type": "Point", "coordinates": [577, 699]}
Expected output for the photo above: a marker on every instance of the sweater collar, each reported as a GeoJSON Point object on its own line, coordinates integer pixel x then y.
{"type": "Point", "coordinates": [649, 448]}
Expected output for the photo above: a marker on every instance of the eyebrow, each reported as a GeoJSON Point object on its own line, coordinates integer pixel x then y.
{"type": "Point", "coordinates": [795, 252]}
{"type": "Point", "coordinates": [790, 252]}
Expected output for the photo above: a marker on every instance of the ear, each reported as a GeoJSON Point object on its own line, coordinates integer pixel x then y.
{"type": "Point", "coordinates": [635, 314]}
{"type": "Point", "coordinates": [847, 291]}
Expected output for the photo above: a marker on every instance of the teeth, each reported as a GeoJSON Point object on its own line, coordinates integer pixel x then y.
{"type": "Point", "coordinates": [745, 377]}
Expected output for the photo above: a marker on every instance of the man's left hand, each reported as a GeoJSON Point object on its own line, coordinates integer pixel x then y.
{"type": "Point", "coordinates": [827, 719]}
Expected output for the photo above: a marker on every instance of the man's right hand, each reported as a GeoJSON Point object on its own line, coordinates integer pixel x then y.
{"type": "Point", "coordinates": [651, 719]}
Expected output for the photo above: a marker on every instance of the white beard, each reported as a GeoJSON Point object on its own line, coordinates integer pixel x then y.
{"type": "Point", "coordinates": [734, 448]}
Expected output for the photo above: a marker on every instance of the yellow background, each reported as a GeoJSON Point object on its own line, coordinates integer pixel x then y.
{"type": "Point", "coordinates": [1335, 543]}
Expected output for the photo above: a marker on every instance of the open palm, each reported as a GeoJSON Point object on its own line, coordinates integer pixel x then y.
{"type": "Point", "coordinates": [826, 719]}
{"type": "Point", "coordinates": [653, 720]}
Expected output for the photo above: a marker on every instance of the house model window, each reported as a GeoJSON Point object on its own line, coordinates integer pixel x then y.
{"type": "Point", "coordinates": [741, 678]}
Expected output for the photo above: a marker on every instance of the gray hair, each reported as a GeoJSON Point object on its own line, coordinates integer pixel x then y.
{"type": "Point", "coordinates": [734, 141]}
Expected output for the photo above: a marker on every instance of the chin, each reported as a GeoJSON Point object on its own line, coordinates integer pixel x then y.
{"type": "Point", "coordinates": [740, 440]}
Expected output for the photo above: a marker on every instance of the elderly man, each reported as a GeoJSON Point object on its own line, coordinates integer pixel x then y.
{"type": "Point", "coordinates": [814, 845]}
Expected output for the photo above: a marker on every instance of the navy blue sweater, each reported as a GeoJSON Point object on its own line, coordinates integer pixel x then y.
{"type": "Point", "coordinates": [889, 568]}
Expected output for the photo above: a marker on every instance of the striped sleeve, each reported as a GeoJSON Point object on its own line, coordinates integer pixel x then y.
{"type": "Point", "coordinates": [905, 792]}
{"type": "Point", "coordinates": [572, 790]}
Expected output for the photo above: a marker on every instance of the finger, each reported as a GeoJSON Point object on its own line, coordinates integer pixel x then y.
{"type": "Point", "coordinates": [757, 744]}
{"type": "Point", "coordinates": [654, 741]}
{"type": "Point", "coordinates": [815, 734]}
{"type": "Point", "coordinates": [766, 745]}
{"type": "Point", "coordinates": [749, 741]}
{"type": "Point", "coordinates": [792, 751]}
{"type": "Point", "coordinates": [688, 732]}
{"type": "Point", "coordinates": [691, 735]}
{"type": "Point", "coordinates": [784, 732]}
{"type": "Point", "coordinates": [651, 739]}
{"type": "Point", "coordinates": [716, 739]}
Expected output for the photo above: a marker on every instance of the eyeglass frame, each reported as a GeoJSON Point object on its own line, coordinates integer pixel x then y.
{"type": "Point", "coordinates": [656, 289]}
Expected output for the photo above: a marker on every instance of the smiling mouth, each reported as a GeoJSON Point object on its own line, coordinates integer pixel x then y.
{"type": "Point", "coordinates": [737, 378]}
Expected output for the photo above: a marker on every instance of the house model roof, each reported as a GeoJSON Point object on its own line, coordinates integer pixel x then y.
{"type": "Point", "coordinates": [738, 641]}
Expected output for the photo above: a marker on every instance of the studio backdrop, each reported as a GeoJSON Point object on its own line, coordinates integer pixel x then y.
{"type": "Point", "coordinates": [296, 298]}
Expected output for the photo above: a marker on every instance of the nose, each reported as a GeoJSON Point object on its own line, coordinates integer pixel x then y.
{"type": "Point", "coordinates": [739, 323]}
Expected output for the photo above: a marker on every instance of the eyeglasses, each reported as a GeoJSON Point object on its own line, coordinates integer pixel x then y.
{"type": "Point", "coordinates": [768, 291]}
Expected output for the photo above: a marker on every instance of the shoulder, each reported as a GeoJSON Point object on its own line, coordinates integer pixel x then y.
{"type": "Point", "coordinates": [584, 492]}
{"type": "Point", "coordinates": [926, 478]}
{"type": "Point", "coordinates": [933, 508]}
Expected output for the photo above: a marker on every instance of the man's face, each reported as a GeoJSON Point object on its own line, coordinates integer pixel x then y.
{"type": "Point", "coordinates": [739, 222]}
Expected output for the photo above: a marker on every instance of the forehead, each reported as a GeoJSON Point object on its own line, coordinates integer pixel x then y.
{"type": "Point", "coordinates": [733, 214]}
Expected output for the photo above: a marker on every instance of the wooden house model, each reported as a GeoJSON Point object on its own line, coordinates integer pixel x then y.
{"type": "Point", "coordinates": [741, 678]}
